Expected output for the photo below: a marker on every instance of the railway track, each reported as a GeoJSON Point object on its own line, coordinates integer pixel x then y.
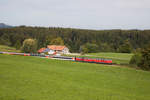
{"type": "Point", "coordinates": [78, 59]}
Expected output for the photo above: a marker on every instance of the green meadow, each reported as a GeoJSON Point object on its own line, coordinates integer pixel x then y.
{"type": "Point", "coordinates": [33, 78]}
{"type": "Point", "coordinates": [5, 48]}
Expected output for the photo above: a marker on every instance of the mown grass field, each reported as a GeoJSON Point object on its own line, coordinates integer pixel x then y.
{"type": "Point", "coordinates": [32, 78]}
{"type": "Point", "coordinates": [5, 48]}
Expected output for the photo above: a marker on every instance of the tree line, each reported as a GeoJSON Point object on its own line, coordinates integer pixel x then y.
{"type": "Point", "coordinates": [78, 40]}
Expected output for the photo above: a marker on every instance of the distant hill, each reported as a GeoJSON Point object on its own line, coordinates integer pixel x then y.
{"type": "Point", "coordinates": [2, 25]}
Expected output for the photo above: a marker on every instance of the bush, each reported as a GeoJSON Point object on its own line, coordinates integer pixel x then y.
{"type": "Point", "coordinates": [135, 60]}
{"type": "Point", "coordinates": [145, 59]}
{"type": "Point", "coordinates": [142, 59]}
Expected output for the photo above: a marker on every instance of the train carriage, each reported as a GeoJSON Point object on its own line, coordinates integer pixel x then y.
{"type": "Point", "coordinates": [93, 60]}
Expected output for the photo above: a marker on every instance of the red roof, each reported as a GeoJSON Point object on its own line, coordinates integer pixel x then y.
{"type": "Point", "coordinates": [56, 47]}
{"type": "Point", "coordinates": [41, 50]}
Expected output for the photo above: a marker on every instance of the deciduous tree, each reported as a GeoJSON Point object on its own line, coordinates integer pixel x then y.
{"type": "Point", "coordinates": [29, 46]}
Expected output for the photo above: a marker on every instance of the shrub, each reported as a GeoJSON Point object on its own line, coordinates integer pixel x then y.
{"type": "Point", "coordinates": [135, 60]}
{"type": "Point", "coordinates": [145, 59]}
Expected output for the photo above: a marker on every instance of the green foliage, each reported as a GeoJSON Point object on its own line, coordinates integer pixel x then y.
{"type": "Point", "coordinates": [5, 40]}
{"type": "Point", "coordinates": [89, 48]}
{"type": "Point", "coordinates": [29, 46]}
{"type": "Point", "coordinates": [125, 47]}
{"type": "Point", "coordinates": [46, 53]}
{"type": "Point", "coordinates": [107, 40]}
{"type": "Point", "coordinates": [18, 45]}
{"type": "Point", "coordinates": [136, 59]}
{"type": "Point", "coordinates": [84, 50]}
{"type": "Point", "coordinates": [104, 47]}
{"type": "Point", "coordinates": [66, 80]}
{"type": "Point", "coordinates": [145, 60]}
{"type": "Point", "coordinates": [48, 40]}
{"type": "Point", "coordinates": [57, 41]}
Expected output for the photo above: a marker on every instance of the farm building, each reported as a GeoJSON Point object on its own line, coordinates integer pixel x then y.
{"type": "Point", "coordinates": [54, 49]}
{"type": "Point", "coordinates": [41, 50]}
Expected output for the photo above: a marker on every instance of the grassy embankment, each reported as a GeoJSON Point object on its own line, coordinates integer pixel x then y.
{"type": "Point", "coordinates": [32, 78]}
{"type": "Point", "coordinates": [5, 48]}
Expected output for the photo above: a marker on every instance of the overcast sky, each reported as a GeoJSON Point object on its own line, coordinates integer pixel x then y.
{"type": "Point", "coordinates": [87, 14]}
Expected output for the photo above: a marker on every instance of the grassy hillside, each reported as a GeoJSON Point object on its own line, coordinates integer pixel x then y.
{"type": "Point", "coordinates": [31, 78]}
{"type": "Point", "coordinates": [8, 49]}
